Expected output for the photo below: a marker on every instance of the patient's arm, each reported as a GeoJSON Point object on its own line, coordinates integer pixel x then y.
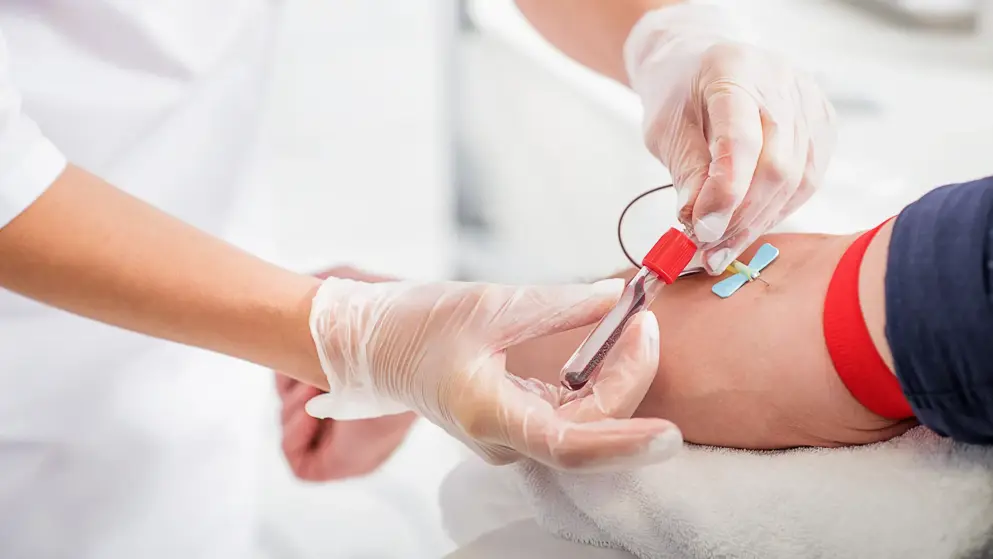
{"type": "Point", "coordinates": [752, 370]}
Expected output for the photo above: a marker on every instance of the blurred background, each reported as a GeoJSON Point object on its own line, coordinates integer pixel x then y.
{"type": "Point", "coordinates": [469, 148]}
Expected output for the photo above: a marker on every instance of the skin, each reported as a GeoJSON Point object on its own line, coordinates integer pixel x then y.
{"type": "Point", "coordinates": [326, 449]}
{"type": "Point", "coordinates": [752, 371]}
{"type": "Point", "coordinates": [592, 32]}
{"type": "Point", "coordinates": [93, 250]}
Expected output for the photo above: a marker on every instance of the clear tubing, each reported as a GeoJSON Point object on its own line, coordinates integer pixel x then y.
{"type": "Point", "coordinates": [587, 360]}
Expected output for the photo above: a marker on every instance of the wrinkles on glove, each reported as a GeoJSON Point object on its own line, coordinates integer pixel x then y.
{"type": "Point", "coordinates": [586, 430]}
{"type": "Point", "coordinates": [348, 310]}
{"type": "Point", "coordinates": [745, 136]}
{"type": "Point", "coordinates": [440, 349]}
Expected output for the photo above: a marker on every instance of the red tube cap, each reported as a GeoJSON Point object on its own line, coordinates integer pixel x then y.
{"type": "Point", "coordinates": [670, 255]}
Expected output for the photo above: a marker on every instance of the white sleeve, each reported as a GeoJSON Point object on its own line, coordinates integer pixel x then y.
{"type": "Point", "coordinates": [29, 162]}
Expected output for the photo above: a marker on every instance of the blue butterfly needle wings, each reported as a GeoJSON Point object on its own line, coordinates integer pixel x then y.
{"type": "Point", "coordinates": [764, 256]}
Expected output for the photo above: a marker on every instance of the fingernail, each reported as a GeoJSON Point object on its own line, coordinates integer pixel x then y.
{"type": "Point", "coordinates": [719, 260]}
{"type": "Point", "coordinates": [665, 445]}
{"type": "Point", "coordinates": [612, 286]}
{"type": "Point", "coordinates": [711, 227]}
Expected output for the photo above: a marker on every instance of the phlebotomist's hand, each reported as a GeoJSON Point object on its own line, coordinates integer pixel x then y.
{"type": "Point", "coordinates": [327, 449]}
{"type": "Point", "coordinates": [440, 349]}
{"type": "Point", "coordinates": [745, 137]}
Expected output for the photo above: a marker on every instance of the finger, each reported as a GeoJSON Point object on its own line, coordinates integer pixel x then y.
{"type": "Point", "coordinates": [720, 255]}
{"type": "Point", "coordinates": [532, 312]}
{"type": "Point", "coordinates": [611, 445]}
{"type": "Point", "coordinates": [778, 173]}
{"type": "Point", "coordinates": [735, 145]}
{"type": "Point", "coordinates": [356, 448]}
{"type": "Point", "coordinates": [300, 433]}
{"type": "Point", "coordinates": [813, 174]}
{"type": "Point", "coordinates": [799, 198]}
{"type": "Point", "coordinates": [319, 462]}
{"type": "Point", "coordinates": [284, 383]}
{"type": "Point", "coordinates": [625, 378]}
{"type": "Point", "coordinates": [719, 258]}
{"type": "Point", "coordinates": [688, 187]}
{"type": "Point", "coordinates": [530, 427]}
{"type": "Point", "coordinates": [822, 126]}
{"type": "Point", "coordinates": [818, 146]}
{"type": "Point", "coordinates": [346, 449]}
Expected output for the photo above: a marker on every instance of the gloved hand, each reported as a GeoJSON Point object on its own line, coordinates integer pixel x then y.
{"type": "Point", "coordinates": [439, 349]}
{"type": "Point", "coordinates": [324, 450]}
{"type": "Point", "coordinates": [745, 137]}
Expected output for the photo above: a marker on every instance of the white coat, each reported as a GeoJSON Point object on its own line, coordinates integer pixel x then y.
{"type": "Point", "coordinates": [114, 445]}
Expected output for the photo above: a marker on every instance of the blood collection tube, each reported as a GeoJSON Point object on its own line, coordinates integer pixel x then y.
{"type": "Point", "coordinates": [660, 267]}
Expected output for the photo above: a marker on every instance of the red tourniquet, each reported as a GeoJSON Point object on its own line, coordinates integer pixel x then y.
{"type": "Point", "coordinates": [855, 357]}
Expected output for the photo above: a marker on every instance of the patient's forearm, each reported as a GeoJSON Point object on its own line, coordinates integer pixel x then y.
{"type": "Point", "coordinates": [751, 371]}
{"type": "Point", "coordinates": [756, 371]}
{"type": "Point", "coordinates": [543, 358]}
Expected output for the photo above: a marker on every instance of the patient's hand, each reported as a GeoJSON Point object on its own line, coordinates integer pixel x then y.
{"type": "Point", "coordinates": [750, 371]}
{"type": "Point", "coordinates": [326, 449]}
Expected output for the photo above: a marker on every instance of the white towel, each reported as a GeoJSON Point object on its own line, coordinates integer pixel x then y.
{"type": "Point", "coordinates": [918, 495]}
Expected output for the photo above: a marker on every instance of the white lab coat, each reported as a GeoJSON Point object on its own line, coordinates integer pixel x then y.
{"type": "Point", "coordinates": [113, 445]}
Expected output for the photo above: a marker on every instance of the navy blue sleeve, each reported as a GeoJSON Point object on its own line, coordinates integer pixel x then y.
{"type": "Point", "coordinates": [939, 311]}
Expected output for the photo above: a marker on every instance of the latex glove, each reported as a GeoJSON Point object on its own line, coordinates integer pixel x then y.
{"type": "Point", "coordinates": [439, 349]}
{"type": "Point", "coordinates": [327, 449]}
{"type": "Point", "coordinates": [745, 137]}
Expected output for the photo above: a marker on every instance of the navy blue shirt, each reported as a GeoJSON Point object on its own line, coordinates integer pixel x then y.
{"type": "Point", "coordinates": [939, 308]}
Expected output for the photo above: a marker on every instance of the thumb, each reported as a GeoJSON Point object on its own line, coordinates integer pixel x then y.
{"type": "Point", "coordinates": [503, 423]}
{"type": "Point", "coordinates": [625, 378]}
{"type": "Point", "coordinates": [532, 312]}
